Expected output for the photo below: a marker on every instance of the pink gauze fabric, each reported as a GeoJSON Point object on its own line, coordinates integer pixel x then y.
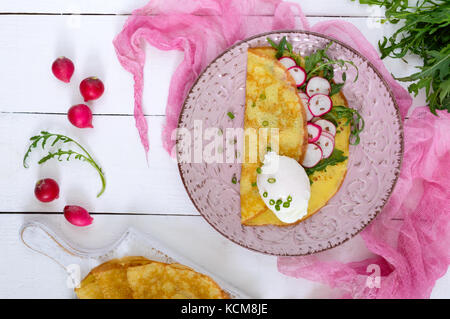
{"type": "Point", "coordinates": [412, 252]}
{"type": "Point", "coordinates": [202, 29]}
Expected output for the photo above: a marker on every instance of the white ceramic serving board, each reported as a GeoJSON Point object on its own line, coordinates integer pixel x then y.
{"type": "Point", "coordinates": [78, 262]}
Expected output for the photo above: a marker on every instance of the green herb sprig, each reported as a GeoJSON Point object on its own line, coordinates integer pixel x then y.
{"type": "Point", "coordinates": [82, 155]}
{"type": "Point", "coordinates": [319, 63]}
{"type": "Point", "coordinates": [335, 158]}
{"type": "Point", "coordinates": [424, 31]}
{"type": "Point", "coordinates": [354, 119]}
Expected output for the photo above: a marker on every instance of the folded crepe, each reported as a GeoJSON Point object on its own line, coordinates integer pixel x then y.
{"type": "Point", "coordinates": [272, 109]}
{"type": "Point", "coordinates": [325, 183]}
{"type": "Point", "coordinates": [141, 278]}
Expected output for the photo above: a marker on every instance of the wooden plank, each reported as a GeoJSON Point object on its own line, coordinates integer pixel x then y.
{"type": "Point", "coordinates": [26, 274]}
{"type": "Point", "coordinates": [29, 44]}
{"type": "Point", "coordinates": [132, 185]}
{"type": "Point", "coordinates": [310, 7]}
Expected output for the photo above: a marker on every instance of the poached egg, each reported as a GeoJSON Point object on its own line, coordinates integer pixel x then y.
{"type": "Point", "coordinates": [284, 187]}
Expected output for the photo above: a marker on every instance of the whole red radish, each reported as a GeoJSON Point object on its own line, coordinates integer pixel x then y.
{"type": "Point", "coordinates": [77, 215]}
{"type": "Point", "coordinates": [46, 190]}
{"type": "Point", "coordinates": [80, 115]}
{"type": "Point", "coordinates": [63, 69]}
{"type": "Point", "coordinates": [91, 88]}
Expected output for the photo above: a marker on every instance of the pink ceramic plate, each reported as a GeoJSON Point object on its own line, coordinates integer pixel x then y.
{"type": "Point", "coordinates": [373, 165]}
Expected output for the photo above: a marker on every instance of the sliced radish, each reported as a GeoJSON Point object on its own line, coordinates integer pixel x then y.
{"type": "Point", "coordinates": [320, 104]}
{"type": "Point", "coordinates": [326, 126]}
{"type": "Point", "coordinates": [299, 75]}
{"type": "Point", "coordinates": [287, 62]}
{"type": "Point", "coordinates": [318, 85]}
{"type": "Point", "coordinates": [326, 143]}
{"type": "Point", "coordinates": [314, 132]}
{"type": "Point", "coordinates": [305, 99]}
{"type": "Point", "coordinates": [313, 155]}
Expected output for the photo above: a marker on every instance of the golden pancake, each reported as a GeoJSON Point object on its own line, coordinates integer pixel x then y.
{"type": "Point", "coordinates": [163, 281]}
{"type": "Point", "coordinates": [271, 102]}
{"type": "Point", "coordinates": [110, 277]}
{"type": "Point", "coordinates": [89, 289]}
{"type": "Point", "coordinates": [139, 277]}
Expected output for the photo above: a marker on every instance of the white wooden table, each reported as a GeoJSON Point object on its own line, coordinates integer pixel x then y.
{"type": "Point", "coordinates": [150, 196]}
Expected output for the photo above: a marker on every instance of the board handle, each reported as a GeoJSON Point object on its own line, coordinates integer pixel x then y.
{"type": "Point", "coordinates": [41, 239]}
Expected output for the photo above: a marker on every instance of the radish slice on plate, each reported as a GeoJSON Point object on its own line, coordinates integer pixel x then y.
{"type": "Point", "coordinates": [287, 62]}
{"type": "Point", "coordinates": [318, 85]}
{"type": "Point", "coordinates": [299, 75]}
{"type": "Point", "coordinates": [320, 104]}
{"type": "Point", "coordinates": [313, 155]}
{"type": "Point", "coordinates": [314, 132]}
{"type": "Point", "coordinates": [326, 143]}
{"type": "Point", "coordinates": [326, 126]}
{"type": "Point", "coordinates": [305, 99]}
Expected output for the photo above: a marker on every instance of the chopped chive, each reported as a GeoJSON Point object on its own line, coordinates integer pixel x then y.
{"type": "Point", "coordinates": [265, 194]}
{"type": "Point", "coordinates": [262, 96]}
{"type": "Point", "coordinates": [254, 184]}
{"type": "Point", "coordinates": [286, 204]}
{"type": "Point", "coordinates": [234, 180]}
{"type": "Point", "coordinates": [279, 202]}
{"type": "Point", "coordinates": [277, 207]}
{"type": "Point", "coordinates": [289, 199]}
{"type": "Point", "coordinates": [230, 115]}
{"type": "Point", "coordinates": [258, 170]}
{"type": "Point", "coordinates": [269, 149]}
{"type": "Point", "coordinates": [271, 180]}
{"type": "Point", "coordinates": [271, 202]}
{"type": "Point", "coordinates": [265, 123]}
{"type": "Point", "coordinates": [253, 104]}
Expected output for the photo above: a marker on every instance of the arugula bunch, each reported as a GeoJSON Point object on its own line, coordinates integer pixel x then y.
{"type": "Point", "coordinates": [82, 154]}
{"type": "Point", "coordinates": [319, 63]}
{"type": "Point", "coordinates": [424, 31]}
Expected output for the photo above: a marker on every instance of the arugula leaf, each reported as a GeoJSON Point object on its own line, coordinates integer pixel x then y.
{"type": "Point", "coordinates": [336, 88]}
{"type": "Point", "coordinates": [280, 47]}
{"type": "Point", "coordinates": [354, 119]}
{"type": "Point", "coordinates": [335, 158]}
{"type": "Point", "coordinates": [83, 155]}
{"type": "Point", "coordinates": [423, 31]}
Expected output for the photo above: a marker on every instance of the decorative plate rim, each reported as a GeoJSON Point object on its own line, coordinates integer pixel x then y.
{"type": "Point", "coordinates": [398, 115]}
